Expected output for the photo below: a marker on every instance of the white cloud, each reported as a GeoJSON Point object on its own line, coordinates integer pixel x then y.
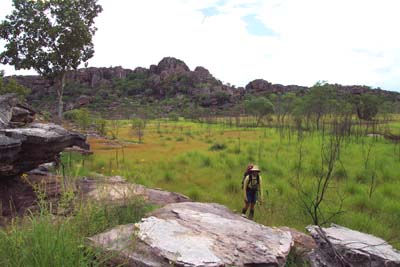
{"type": "Point", "coordinates": [349, 42]}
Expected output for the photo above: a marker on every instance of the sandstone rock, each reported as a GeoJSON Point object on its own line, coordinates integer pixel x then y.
{"type": "Point", "coordinates": [7, 102]}
{"type": "Point", "coordinates": [24, 149]}
{"type": "Point", "coordinates": [303, 243]}
{"type": "Point", "coordinates": [259, 85]}
{"type": "Point", "coordinates": [18, 196]}
{"type": "Point", "coordinates": [22, 114]}
{"type": "Point", "coordinates": [116, 190]}
{"type": "Point", "coordinates": [172, 64]}
{"type": "Point", "coordinates": [356, 248]}
{"type": "Point", "coordinates": [83, 100]}
{"type": "Point", "coordinates": [196, 234]}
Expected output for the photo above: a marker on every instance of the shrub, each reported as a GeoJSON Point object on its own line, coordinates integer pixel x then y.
{"type": "Point", "coordinates": [11, 86]}
{"type": "Point", "coordinates": [168, 177]}
{"type": "Point", "coordinates": [194, 195]}
{"type": "Point", "coordinates": [79, 116]}
{"type": "Point", "coordinates": [218, 146]}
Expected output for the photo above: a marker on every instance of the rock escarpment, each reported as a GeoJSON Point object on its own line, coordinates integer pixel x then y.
{"type": "Point", "coordinates": [23, 149]}
{"type": "Point", "coordinates": [196, 234]}
{"type": "Point", "coordinates": [170, 78]}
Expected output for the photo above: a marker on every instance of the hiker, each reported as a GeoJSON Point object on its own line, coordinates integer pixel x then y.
{"type": "Point", "coordinates": [252, 186]}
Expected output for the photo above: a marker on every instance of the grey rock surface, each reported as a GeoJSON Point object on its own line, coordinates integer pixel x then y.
{"type": "Point", "coordinates": [116, 190]}
{"type": "Point", "coordinates": [7, 102]}
{"type": "Point", "coordinates": [356, 249]}
{"type": "Point", "coordinates": [196, 234]}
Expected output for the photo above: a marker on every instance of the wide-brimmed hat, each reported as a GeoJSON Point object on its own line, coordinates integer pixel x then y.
{"type": "Point", "coordinates": [255, 169]}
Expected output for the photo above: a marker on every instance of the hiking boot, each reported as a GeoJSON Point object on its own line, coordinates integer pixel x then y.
{"type": "Point", "coordinates": [251, 214]}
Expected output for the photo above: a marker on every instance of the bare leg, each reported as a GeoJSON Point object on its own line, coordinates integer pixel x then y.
{"type": "Point", "coordinates": [246, 206]}
{"type": "Point", "coordinates": [251, 214]}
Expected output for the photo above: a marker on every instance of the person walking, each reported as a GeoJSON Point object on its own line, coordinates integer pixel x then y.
{"type": "Point", "coordinates": [252, 187]}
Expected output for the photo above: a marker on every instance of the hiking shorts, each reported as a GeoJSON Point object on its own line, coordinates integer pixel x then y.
{"type": "Point", "coordinates": [251, 196]}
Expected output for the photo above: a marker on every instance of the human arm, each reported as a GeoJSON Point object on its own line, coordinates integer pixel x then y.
{"type": "Point", "coordinates": [245, 183]}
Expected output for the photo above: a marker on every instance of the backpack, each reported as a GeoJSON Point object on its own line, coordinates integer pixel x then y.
{"type": "Point", "coordinates": [253, 181]}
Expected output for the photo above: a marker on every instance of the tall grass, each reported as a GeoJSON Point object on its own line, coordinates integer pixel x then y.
{"type": "Point", "coordinates": [44, 239]}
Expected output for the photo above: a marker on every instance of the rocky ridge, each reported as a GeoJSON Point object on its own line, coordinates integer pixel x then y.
{"type": "Point", "coordinates": [171, 77]}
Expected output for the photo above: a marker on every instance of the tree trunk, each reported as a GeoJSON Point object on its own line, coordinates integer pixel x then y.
{"type": "Point", "coordinates": [60, 92]}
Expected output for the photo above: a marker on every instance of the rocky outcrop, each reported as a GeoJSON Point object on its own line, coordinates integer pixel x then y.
{"type": "Point", "coordinates": [116, 190]}
{"type": "Point", "coordinates": [196, 234]}
{"type": "Point", "coordinates": [170, 78]}
{"type": "Point", "coordinates": [340, 246]}
{"type": "Point", "coordinates": [23, 149]}
{"type": "Point", "coordinates": [262, 86]}
{"type": "Point", "coordinates": [7, 103]}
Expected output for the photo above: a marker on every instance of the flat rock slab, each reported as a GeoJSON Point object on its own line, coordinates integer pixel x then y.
{"type": "Point", "coordinates": [115, 190]}
{"type": "Point", "coordinates": [196, 234]}
{"type": "Point", "coordinates": [357, 249]}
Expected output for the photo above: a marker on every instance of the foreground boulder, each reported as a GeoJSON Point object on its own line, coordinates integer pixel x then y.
{"type": "Point", "coordinates": [340, 246]}
{"type": "Point", "coordinates": [195, 234]}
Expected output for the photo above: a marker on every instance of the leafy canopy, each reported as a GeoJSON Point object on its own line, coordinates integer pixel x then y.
{"type": "Point", "coordinates": [258, 107]}
{"type": "Point", "coordinates": [50, 36]}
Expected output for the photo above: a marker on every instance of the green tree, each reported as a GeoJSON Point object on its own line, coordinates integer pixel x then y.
{"type": "Point", "coordinates": [138, 126]}
{"type": "Point", "coordinates": [52, 37]}
{"type": "Point", "coordinates": [318, 101]}
{"type": "Point", "coordinates": [367, 107]}
{"type": "Point", "coordinates": [11, 86]}
{"type": "Point", "coordinates": [258, 107]}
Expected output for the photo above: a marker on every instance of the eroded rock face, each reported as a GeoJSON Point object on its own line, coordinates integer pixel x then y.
{"type": "Point", "coordinates": [356, 248]}
{"type": "Point", "coordinates": [7, 102]}
{"type": "Point", "coordinates": [23, 149]}
{"type": "Point", "coordinates": [196, 234]}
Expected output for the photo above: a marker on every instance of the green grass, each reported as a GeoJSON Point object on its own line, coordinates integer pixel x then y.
{"type": "Point", "coordinates": [208, 166]}
{"type": "Point", "coordinates": [46, 240]}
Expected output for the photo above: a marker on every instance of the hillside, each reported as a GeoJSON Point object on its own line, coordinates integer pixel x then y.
{"type": "Point", "coordinates": [169, 86]}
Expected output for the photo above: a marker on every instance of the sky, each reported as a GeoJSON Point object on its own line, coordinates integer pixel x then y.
{"type": "Point", "coordinates": [282, 41]}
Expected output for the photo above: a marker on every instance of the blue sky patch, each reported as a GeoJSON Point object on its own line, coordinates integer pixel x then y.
{"type": "Point", "coordinates": [256, 27]}
{"type": "Point", "coordinates": [210, 11]}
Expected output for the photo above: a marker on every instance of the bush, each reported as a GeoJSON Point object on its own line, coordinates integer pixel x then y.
{"type": "Point", "coordinates": [11, 86]}
{"type": "Point", "coordinates": [218, 146]}
{"type": "Point", "coordinates": [79, 116]}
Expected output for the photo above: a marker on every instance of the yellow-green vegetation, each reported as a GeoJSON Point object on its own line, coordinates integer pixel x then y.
{"type": "Point", "coordinates": [206, 161]}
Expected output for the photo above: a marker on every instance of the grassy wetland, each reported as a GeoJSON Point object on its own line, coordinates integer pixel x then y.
{"type": "Point", "coordinates": [310, 176]}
